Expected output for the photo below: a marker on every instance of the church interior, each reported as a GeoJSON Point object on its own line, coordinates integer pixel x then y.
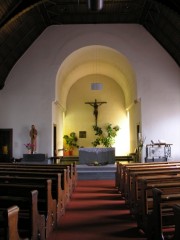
{"type": "Point", "coordinates": [90, 90]}
{"type": "Point", "coordinates": [53, 52]}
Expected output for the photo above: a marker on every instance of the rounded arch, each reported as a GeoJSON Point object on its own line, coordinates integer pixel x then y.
{"type": "Point", "coordinates": [99, 60]}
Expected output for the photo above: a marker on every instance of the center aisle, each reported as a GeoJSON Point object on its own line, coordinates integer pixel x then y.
{"type": "Point", "coordinates": [96, 211]}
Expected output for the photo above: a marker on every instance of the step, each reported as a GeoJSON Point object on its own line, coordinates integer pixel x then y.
{"type": "Point", "coordinates": [86, 172]}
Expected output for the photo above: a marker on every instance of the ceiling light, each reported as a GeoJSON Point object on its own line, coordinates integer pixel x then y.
{"type": "Point", "coordinates": [95, 5]}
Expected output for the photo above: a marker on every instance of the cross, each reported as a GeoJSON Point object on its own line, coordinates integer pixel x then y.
{"type": "Point", "coordinates": [95, 105]}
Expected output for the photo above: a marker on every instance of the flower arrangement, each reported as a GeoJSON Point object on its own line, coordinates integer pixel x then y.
{"type": "Point", "coordinates": [29, 146]}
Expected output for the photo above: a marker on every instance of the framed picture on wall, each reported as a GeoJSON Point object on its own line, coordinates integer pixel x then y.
{"type": "Point", "coordinates": [82, 134]}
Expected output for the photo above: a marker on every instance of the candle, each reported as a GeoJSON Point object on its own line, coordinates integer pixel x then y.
{"type": "Point", "coordinates": [5, 149]}
{"type": "Point", "coordinates": [139, 136]}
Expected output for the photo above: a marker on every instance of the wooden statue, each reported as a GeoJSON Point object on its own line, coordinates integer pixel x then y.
{"type": "Point", "coordinates": [33, 135]}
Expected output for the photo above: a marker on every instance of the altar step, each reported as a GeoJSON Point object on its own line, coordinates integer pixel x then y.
{"type": "Point", "coordinates": [86, 172]}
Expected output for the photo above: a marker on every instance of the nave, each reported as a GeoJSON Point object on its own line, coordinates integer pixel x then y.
{"type": "Point", "coordinates": [97, 211]}
{"type": "Point", "coordinates": [54, 204]}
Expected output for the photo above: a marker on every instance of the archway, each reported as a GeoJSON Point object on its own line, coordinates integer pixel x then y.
{"type": "Point", "coordinates": [98, 61]}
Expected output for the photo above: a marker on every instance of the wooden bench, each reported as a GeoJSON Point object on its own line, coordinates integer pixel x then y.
{"type": "Point", "coordinates": [119, 163]}
{"type": "Point", "coordinates": [147, 176]}
{"type": "Point", "coordinates": [46, 204]}
{"type": "Point", "coordinates": [131, 181]}
{"type": "Point", "coordinates": [71, 177]}
{"type": "Point", "coordinates": [120, 173]}
{"type": "Point", "coordinates": [72, 172]}
{"type": "Point", "coordinates": [66, 182]}
{"type": "Point", "coordinates": [162, 216]}
{"type": "Point", "coordinates": [26, 221]}
{"type": "Point", "coordinates": [144, 205]}
{"type": "Point", "coordinates": [164, 175]}
{"type": "Point", "coordinates": [71, 166]}
{"type": "Point", "coordinates": [64, 194]}
{"type": "Point", "coordinates": [150, 170]}
{"type": "Point", "coordinates": [57, 192]}
{"type": "Point", "coordinates": [121, 170]}
{"type": "Point", "coordinates": [9, 223]}
{"type": "Point", "coordinates": [176, 209]}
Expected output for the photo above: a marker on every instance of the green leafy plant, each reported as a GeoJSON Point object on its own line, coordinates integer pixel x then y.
{"type": "Point", "coordinates": [71, 141]}
{"type": "Point", "coordinates": [105, 137]}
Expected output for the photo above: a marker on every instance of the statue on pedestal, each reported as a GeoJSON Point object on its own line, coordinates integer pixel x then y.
{"type": "Point", "coordinates": [33, 134]}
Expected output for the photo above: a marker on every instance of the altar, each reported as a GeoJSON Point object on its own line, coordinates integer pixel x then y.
{"type": "Point", "coordinates": [100, 155]}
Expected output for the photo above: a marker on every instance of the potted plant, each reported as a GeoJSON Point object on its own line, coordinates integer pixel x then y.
{"type": "Point", "coordinates": [70, 142]}
{"type": "Point", "coordinates": [105, 138]}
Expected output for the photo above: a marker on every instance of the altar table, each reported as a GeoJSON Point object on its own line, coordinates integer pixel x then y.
{"type": "Point", "coordinates": [100, 155]}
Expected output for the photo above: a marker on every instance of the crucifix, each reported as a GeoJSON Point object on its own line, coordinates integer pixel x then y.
{"type": "Point", "coordinates": [95, 105]}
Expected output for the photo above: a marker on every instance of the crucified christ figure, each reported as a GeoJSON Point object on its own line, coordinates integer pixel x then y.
{"type": "Point", "coordinates": [95, 105]}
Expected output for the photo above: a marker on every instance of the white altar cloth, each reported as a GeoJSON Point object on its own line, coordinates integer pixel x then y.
{"type": "Point", "coordinates": [100, 155]}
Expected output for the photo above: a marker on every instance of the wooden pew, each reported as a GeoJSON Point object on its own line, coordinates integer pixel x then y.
{"type": "Point", "coordinates": [27, 221]}
{"type": "Point", "coordinates": [46, 204]}
{"type": "Point", "coordinates": [72, 172]}
{"type": "Point", "coordinates": [167, 172]}
{"type": "Point", "coordinates": [120, 161]}
{"type": "Point", "coordinates": [72, 162]}
{"type": "Point", "coordinates": [9, 223]}
{"type": "Point", "coordinates": [66, 182]}
{"type": "Point", "coordinates": [121, 170]}
{"type": "Point", "coordinates": [71, 175]}
{"type": "Point", "coordinates": [120, 167]}
{"type": "Point", "coordinates": [128, 169]}
{"type": "Point", "coordinates": [162, 216]}
{"type": "Point", "coordinates": [63, 194]}
{"type": "Point", "coordinates": [57, 192]}
{"type": "Point", "coordinates": [176, 209]}
{"type": "Point", "coordinates": [146, 177]}
{"type": "Point", "coordinates": [71, 166]}
{"type": "Point", "coordinates": [150, 170]}
{"type": "Point", "coordinates": [145, 202]}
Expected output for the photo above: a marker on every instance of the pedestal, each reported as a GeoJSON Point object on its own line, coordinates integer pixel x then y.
{"type": "Point", "coordinates": [34, 158]}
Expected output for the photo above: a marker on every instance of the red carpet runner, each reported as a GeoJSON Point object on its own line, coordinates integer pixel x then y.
{"type": "Point", "coordinates": [96, 212]}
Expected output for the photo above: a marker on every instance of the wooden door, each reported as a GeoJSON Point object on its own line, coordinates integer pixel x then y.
{"type": "Point", "coordinates": [6, 150]}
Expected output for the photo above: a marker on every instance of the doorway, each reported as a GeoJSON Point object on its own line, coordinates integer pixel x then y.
{"type": "Point", "coordinates": [6, 151]}
{"type": "Point", "coordinates": [54, 140]}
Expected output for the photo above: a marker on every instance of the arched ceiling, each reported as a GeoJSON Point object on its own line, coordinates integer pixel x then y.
{"type": "Point", "coordinates": [95, 60]}
{"type": "Point", "coordinates": [22, 21]}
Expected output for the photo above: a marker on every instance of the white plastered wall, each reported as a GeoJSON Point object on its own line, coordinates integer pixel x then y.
{"type": "Point", "coordinates": [30, 87]}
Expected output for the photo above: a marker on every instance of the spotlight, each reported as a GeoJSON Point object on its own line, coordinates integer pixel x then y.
{"type": "Point", "coordinates": [95, 5]}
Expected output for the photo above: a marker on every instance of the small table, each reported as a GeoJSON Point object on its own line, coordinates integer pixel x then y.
{"type": "Point", "coordinates": [158, 152]}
